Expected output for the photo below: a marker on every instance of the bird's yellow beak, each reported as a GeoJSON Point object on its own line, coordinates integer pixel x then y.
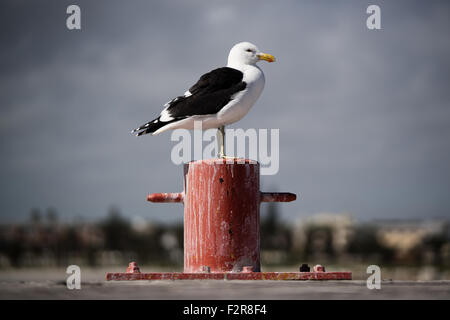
{"type": "Point", "coordinates": [266, 56]}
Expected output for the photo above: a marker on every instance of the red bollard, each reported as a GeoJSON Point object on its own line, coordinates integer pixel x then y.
{"type": "Point", "coordinates": [221, 214]}
{"type": "Point", "coordinates": [221, 225]}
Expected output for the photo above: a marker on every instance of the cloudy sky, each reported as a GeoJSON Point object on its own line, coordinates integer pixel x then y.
{"type": "Point", "coordinates": [364, 116]}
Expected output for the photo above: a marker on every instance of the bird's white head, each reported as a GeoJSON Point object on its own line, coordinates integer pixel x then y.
{"type": "Point", "coordinates": [246, 53]}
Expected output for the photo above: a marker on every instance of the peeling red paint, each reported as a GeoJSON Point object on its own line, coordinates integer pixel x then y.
{"type": "Point", "coordinates": [277, 197]}
{"type": "Point", "coordinates": [165, 197]}
{"type": "Point", "coordinates": [221, 215]}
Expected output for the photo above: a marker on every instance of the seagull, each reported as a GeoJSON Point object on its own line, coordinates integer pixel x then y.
{"type": "Point", "coordinates": [219, 98]}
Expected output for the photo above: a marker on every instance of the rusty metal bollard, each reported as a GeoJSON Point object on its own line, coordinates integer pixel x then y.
{"type": "Point", "coordinates": [221, 226]}
{"type": "Point", "coordinates": [221, 214]}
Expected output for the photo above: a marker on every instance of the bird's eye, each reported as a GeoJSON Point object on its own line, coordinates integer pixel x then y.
{"type": "Point", "coordinates": [249, 50]}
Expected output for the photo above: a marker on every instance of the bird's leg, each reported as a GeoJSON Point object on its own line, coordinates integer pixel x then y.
{"type": "Point", "coordinates": [221, 141]}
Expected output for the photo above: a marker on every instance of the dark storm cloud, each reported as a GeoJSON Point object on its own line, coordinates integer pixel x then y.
{"type": "Point", "coordinates": [364, 115]}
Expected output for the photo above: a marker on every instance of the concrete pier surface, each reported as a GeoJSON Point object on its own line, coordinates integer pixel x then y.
{"type": "Point", "coordinates": [51, 284]}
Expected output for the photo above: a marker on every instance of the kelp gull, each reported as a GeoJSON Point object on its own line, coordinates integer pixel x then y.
{"type": "Point", "coordinates": [220, 97]}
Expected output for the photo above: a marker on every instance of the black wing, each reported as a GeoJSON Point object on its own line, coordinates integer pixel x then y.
{"type": "Point", "coordinates": [216, 80]}
{"type": "Point", "coordinates": [210, 94]}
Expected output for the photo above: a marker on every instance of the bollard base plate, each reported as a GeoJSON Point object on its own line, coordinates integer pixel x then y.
{"type": "Point", "coordinates": [123, 276]}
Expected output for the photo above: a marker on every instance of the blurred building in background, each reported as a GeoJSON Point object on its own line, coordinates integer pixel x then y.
{"type": "Point", "coordinates": [416, 240]}
{"type": "Point", "coordinates": [321, 238]}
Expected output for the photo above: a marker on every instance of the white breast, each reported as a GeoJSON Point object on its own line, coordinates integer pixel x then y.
{"type": "Point", "coordinates": [243, 100]}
